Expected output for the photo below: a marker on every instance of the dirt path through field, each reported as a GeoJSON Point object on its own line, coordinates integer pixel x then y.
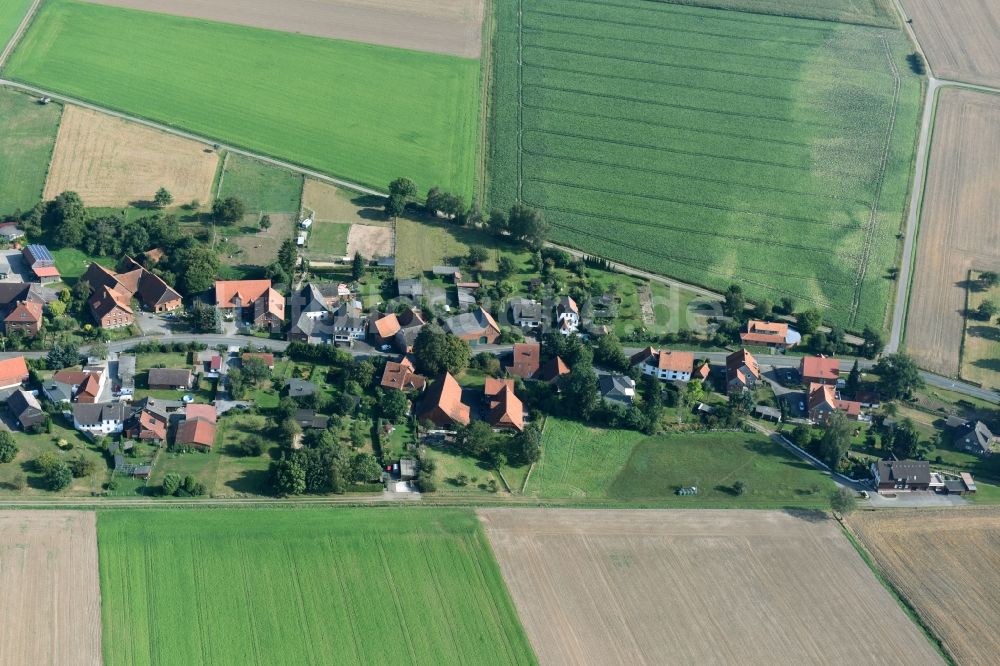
{"type": "Point", "coordinates": [696, 587]}
{"type": "Point", "coordinates": [452, 27]}
{"type": "Point", "coordinates": [958, 229]}
{"type": "Point", "coordinates": [50, 599]}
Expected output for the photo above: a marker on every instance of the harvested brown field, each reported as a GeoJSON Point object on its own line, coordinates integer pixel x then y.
{"type": "Point", "coordinates": [452, 27]}
{"type": "Point", "coordinates": [50, 597]}
{"type": "Point", "coordinates": [112, 162]}
{"type": "Point", "coordinates": [958, 230]}
{"type": "Point", "coordinates": [947, 564]}
{"type": "Point", "coordinates": [959, 37]}
{"type": "Point", "coordinates": [696, 587]}
{"type": "Point", "coordinates": [371, 241]}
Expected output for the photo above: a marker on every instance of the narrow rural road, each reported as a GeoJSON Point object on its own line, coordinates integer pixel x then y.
{"type": "Point", "coordinates": [21, 28]}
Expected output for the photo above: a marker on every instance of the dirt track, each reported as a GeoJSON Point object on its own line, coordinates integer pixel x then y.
{"type": "Point", "coordinates": [947, 564]}
{"type": "Point", "coordinates": [112, 162]}
{"type": "Point", "coordinates": [370, 241]}
{"type": "Point", "coordinates": [959, 37]}
{"type": "Point", "coordinates": [958, 229]}
{"type": "Point", "coordinates": [50, 599]}
{"type": "Point", "coordinates": [696, 587]}
{"type": "Point", "coordinates": [452, 27]}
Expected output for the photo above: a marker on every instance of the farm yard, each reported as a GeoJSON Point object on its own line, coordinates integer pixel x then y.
{"type": "Point", "coordinates": [767, 151]}
{"type": "Point", "coordinates": [27, 136]}
{"type": "Point", "coordinates": [314, 587]}
{"type": "Point", "coordinates": [439, 26]}
{"type": "Point", "coordinates": [51, 600]}
{"type": "Point", "coordinates": [946, 564]}
{"type": "Point", "coordinates": [111, 162]}
{"type": "Point", "coordinates": [697, 587]}
{"type": "Point", "coordinates": [959, 37]}
{"type": "Point", "coordinates": [624, 466]}
{"type": "Point", "coordinates": [958, 230]}
{"type": "Point", "coordinates": [305, 99]}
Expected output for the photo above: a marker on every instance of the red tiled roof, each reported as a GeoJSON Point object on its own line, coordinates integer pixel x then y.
{"type": "Point", "coordinates": [819, 367]}
{"type": "Point", "coordinates": [553, 369]}
{"type": "Point", "coordinates": [664, 359]}
{"type": "Point", "coordinates": [195, 411]}
{"type": "Point", "coordinates": [247, 290]}
{"type": "Point", "coordinates": [765, 332]}
{"type": "Point", "coordinates": [13, 371]}
{"type": "Point", "coordinates": [444, 398]}
{"type": "Point", "coordinates": [45, 271]}
{"type": "Point", "coordinates": [526, 361]}
{"type": "Point", "coordinates": [91, 387]}
{"type": "Point", "coordinates": [402, 376]}
{"type": "Point", "coordinates": [154, 423]}
{"type": "Point", "coordinates": [506, 409]}
{"type": "Point", "coordinates": [387, 326]}
{"type": "Point", "coordinates": [25, 311]}
{"type": "Point", "coordinates": [196, 431]}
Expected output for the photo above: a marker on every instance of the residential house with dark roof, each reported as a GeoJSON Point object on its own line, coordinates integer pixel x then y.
{"type": "Point", "coordinates": [742, 372]}
{"type": "Point", "coordinates": [124, 375]}
{"type": "Point", "coordinates": [975, 438]}
{"type": "Point", "coordinates": [252, 301]}
{"type": "Point", "coordinates": [10, 232]}
{"type": "Point", "coordinates": [112, 293]}
{"type": "Point", "coordinates": [300, 388]}
{"type": "Point", "coordinates": [102, 418]}
{"type": "Point", "coordinates": [442, 404]}
{"type": "Point", "coordinates": [402, 376]}
{"type": "Point", "coordinates": [179, 379]}
{"type": "Point", "coordinates": [819, 370]}
{"type": "Point", "coordinates": [349, 322]}
{"type": "Point", "coordinates": [525, 360]}
{"type": "Point", "coordinates": [553, 370]}
{"type": "Point", "coordinates": [25, 409]}
{"type": "Point", "coordinates": [476, 328]}
{"type": "Point", "coordinates": [310, 420]}
{"type": "Point", "coordinates": [504, 410]}
{"type": "Point", "coordinates": [25, 317]}
{"type": "Point", "coordinates": [311, 312]}
{"type": "Point", "coordinates": [895, 475]}
{"type": "Point", "coordinates": [411, 288]}
{"type": "Point", "coordinates": [776, 335]}
{"type": "Point", "coordinates": [615, 388]}
{"type": "Point", "coordinates": [664, 364]}
{"type": "Point", "coordinates": [526, 313]}
{"type": "Point", "coordinates": [41, 263]}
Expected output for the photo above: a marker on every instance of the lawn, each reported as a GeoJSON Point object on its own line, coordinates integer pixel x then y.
{"type": "Point", "coordinates": [262, 187]}
{"type": "Point", "coordinates": [72, 263]}
{"type": "Point", "coordinates": [327, 241]}
{"type": "Point", "coordinates": [27, 137]}
{"type": "Point", "coordinates": [362, 112]}
{"type": "Point", "coordinates": [617, 465]}
{"type": "Point", "coordinates": [712, 146]}
{"type": "Point", "coordinates": [422, 244]}
{"type": "Point", "coordinates": [303, 587]}
{"type": "Point", "coordinates": [981, 344]}
{"type": "Point", "coordinates": [32, 446]}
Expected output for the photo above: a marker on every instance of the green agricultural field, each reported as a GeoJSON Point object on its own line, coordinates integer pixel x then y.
{"type": "Point", "coordinates": [27, 137]}
{"type": "Point", "coordinates": [362, 112]}
{"type": "Point", "coordinates": [623, 466]}
{"type": "Point", "coordinates": [863, 12]}
{"type": "Point", "coordinates": [348, 586]}
{"type": "Point", "coordinates": [711, 146]}
{"type": "Point", "coordinates": [11, 14]}
{"type": "Point", "coordinates": [262, 187]}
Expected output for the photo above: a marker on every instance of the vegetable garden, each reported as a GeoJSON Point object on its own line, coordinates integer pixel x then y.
{"type": "Point", "coordinates": [711, 146]}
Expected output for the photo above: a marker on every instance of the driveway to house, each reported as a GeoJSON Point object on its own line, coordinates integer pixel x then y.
{"type": "Point", "coordinates": [152, 324]}
{"type": "Point", "coordinates": [916, 500]}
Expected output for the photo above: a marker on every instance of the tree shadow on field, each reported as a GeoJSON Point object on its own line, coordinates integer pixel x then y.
{"type": "Point", "coordinates": [254, 481]}
{"type": "Point", "coordinates": [970, 285]}
{"type": "Point", "coordinates": [991, 333]}
{"type": "Point", "coordinates": [988, 364]}
{"type": "Point", "coordinates": [808, 515]}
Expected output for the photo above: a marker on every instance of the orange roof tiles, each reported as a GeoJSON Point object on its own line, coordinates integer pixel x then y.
{"type": "Point", "coordinates": [387, 326]}
{"type": "Point", "coordinates": [194, 411]}
{"type": "Point", "coordinates": [819, 368]}
{"type": "Point", "coordinates": [198, 431]}
{"type": "Point", "coordinates": [13, 371]}
{"type": "Point", "coordinates": [526, 361]}
{"type": "Point", "coordinates": [247, 291]}
{"type": "Point", "coordinates": [443, 401]}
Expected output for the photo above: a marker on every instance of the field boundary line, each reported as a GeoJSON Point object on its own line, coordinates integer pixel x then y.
{"type": "Point", "coordinates": [288, 166]}
{"type": "Point", "coordinates": [883, 166]}
{"type": "Point", "coordinates": [488, 34]}
{"type": "Point", "coordinates": [404, 630]}
{"type": "Point", "coordinates": [19, 33]}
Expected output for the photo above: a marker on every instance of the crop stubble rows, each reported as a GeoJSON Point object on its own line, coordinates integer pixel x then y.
{"type": "Point", "coordinates": [710, 146]}
{"type": "Point", "coordinates": [696, 587]}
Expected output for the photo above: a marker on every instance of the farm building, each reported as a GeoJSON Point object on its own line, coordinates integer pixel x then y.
{"type": "Point", "coordinates": [504, 409]}
{"type": "Point", "coordinates": [10, 232]}
{"type": "Point", "coordinates": [410, 288]}
{"type": "Point", "coordinates": [251, 301]}
{"type": "Point", "coordinates": [170, 378]}
{"type": "Point", "coordinates": [25, 409]}
{"type": "Point", "coordinates": [975, 438]}
{"type": "Point", "coordinates": [100, 418]}
{"type": "Point", "coordinates": [776, 335]}
{"type": "Point", "coordinates": [890, 475]}
{"type": "Point", "coordinates": [526, 313]}
{"type": "Point", "coordinates": [477, 327]}
{"type": "Point", "coordinates": [767, 413]}
{"type": "Point", "coordinates": [442, 404]}
{"type": "Point", "coordinates": [42, 263]}
{"type": "Point", "coordinates": [110, 301]}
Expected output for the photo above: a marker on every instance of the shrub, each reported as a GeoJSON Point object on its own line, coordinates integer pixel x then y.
{"type": "Point", "coordinates": [58, 477]}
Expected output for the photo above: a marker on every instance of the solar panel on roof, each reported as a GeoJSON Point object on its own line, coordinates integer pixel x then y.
{"type": "Point", "coordinates": [40, 253]}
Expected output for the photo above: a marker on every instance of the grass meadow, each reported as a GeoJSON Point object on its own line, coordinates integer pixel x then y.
{"type": "Point", "coordinates": [623, 466]}
{"type": "Point", "coordinates": [712, 146]}
{"type": "Point", "coordinates": [362, 112]}
{"type": "Point", "coordinates": [262, 187]}
{"type": "Point", "coordinates": [349, 586]}
{"type": "Point", "coordinates": [27, 137]}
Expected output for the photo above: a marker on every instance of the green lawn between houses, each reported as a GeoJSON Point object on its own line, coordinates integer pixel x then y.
{"type": "Point", "coordinates": [349, 586]}
{"type": "Point", "coordinates": [362, 112]}
{"type": "Point", "coordinates": [623, 466]}
{"type": "Point", "coordinates": [27, 137]}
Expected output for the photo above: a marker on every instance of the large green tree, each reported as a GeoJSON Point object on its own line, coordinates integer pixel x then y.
{"type": "Point", "coordinates": [899, 376]}
{"type": "Point", "coordinates": [8, 447]}
{"type": "Point", "coordinates": [836, 440]}
{"type": "Point", "coordinates": [436, 352]}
